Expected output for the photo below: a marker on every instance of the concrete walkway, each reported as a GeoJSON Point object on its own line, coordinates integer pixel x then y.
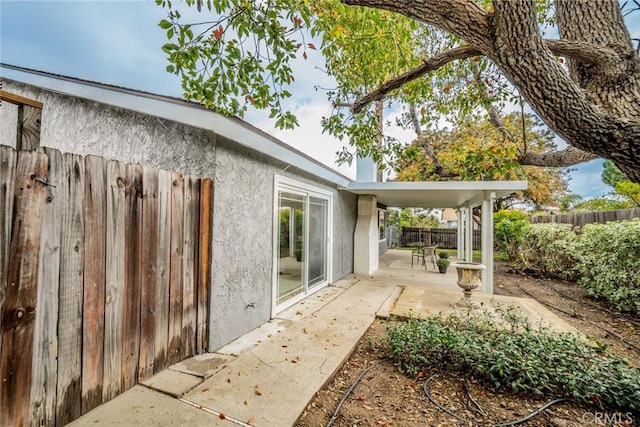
{"type": "Point", "coordinates": [268, 376]}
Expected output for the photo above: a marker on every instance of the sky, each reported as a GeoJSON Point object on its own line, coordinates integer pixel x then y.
{"type": "Point", "coordinates": [119, 43]}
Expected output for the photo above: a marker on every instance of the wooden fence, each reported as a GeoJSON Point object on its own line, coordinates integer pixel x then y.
{"type": "Point", "coordinates": [582, 218]}
{"type": "Point", "coordinates": [104, 272]}
{"type": "Point", "coordinates": [445, 238]}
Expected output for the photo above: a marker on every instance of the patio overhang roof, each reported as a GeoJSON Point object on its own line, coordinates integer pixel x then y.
{"type": "Point", "coordinates": [435, 194]}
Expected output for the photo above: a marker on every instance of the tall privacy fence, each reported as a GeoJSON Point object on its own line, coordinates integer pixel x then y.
{"type": "Point", "coordinates": [445, 238]}
{"type": "Point", "coordinates": [582, 218]}
{"type": "Point", "coordinates": [104, 270]}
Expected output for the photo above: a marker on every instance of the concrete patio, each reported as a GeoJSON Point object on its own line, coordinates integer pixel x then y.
{"type": "Point", "coordinates": [267, 377]}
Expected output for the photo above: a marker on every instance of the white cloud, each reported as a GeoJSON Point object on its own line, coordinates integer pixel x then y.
{"type": "Point", "coordinates": [308, 137]}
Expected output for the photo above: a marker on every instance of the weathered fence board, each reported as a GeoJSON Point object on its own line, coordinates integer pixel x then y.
{"type": "Point", "coordinates": [115, 270]}
{"type": "Point", "coordinates": [28, 135]}
{"type": "Point", "coordinates": [163, 276]}
{"type": "Point", "coordinates": [106, 261]}
{"type": "Point", "coordinates": [7, 185]}
{"type": "Point", "coordinates": [69, 405]}
{"type": "Point", "coordinates": [580, 219]}
{"type": "Point", "coordinates": [189, 311]}
{"type": "Point", "coordinates": [94, 282]}
{"type": "Point", "coordinates": [133, 277]}
{"type": "Point", "coordinates": [21, 293]}
{"type": "Point", "coordinates": [204, 261]}
{"type": "Point", "coordinates": [148, 271]}
{"type": "Point", "coordinates": [45, 362]}
{"type": "Point", "coordinates": [176, 275]}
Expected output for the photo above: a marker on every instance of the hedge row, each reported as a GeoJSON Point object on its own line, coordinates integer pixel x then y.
{"type": "Point", "coordinates": [603, 258]}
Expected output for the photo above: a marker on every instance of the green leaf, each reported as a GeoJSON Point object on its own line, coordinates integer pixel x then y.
{"type": "Point", "coordinates": [164, 24]}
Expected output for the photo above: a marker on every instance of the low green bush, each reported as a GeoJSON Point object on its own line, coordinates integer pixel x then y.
{"type": "Point", "coordinates": [608, 262]}
{"type": "Point", "coordinates": [549, 250]}
{"type": "Point", "coordinates": [603, 258]}
{"type": "Point", "coordinates": [502, 349]}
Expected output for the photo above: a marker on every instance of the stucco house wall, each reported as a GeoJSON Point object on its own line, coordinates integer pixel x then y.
{"type": "Point", "coordinates": [242, 249]}
{"type": "Point", "coordinates": [79, 126]}
{"type": "Point", "coordinates": [243, 194]}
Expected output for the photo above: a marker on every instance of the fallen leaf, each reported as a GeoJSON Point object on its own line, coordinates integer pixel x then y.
{"type": "Point", "coordinates": [284, 346]}
{"type": "Point", "coordinates": [222, 417]}
{"type": "Point", "coordinates": [251, 420]}
{"type": "Point", "coordinates": [294, 361]}
{"type": "Point", "coordinates": [361, 399]}
{"type": "Point", "coordinates": [257, 391]}
{"type": "Point", "coordinates": [206, 389]}
{"type": "Point", "coordinates": [229, 380]}
{"type": "Point", "coordinates": [304, 330]}
{"type": "Point", "coordinates": [367, 407]}
{"type": "Point", "coordinates": [298, 313]}
{"type": "Point", "coordinates": [245, 402]}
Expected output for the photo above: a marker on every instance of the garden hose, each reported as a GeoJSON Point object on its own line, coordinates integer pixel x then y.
{"type": "Point", "coordinates": [535, 413]}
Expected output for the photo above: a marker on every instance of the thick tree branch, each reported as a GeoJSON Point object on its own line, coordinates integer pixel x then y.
{"type": "Point", "coordinates": [582, 51]}
{"type": "Point", "coordinates": [463, 18]}
{"type": "Point", "coordinates": [431, 64]}
{"type": "Point", "coordinates": [568, 157]}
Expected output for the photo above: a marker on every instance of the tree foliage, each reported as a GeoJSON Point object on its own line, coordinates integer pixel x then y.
{"type": "Point", "coordinates": [475, 151]}
{"type": "Point", "coordinates": [615, 178]}
{"type": "Point", "coordinates": [457, 59]}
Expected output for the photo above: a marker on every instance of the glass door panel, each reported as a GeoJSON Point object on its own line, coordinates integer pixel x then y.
{"type": "Point", "coordinates": [291, 245]}
{"type": "Point", "coordinates": [317, 242]}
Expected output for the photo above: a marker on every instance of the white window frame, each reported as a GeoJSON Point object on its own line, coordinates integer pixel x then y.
{"type": "Point", "coordinates": [283, 183]}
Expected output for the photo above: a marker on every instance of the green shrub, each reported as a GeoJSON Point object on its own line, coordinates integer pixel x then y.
{"type": "Point", "coordinates": [549, 250]}
{"type": "Point", "coordinates": [608, 262]}
{"type": "Point", "coordinates": [443, 255]}
{"type": "Point", "coordinates": [506, 352]}
{"type": "Point", "coordinates": [443, 262]}
{"type": "Point", "coordinates": [508, 229]}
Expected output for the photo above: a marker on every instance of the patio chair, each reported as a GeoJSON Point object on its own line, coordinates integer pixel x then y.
{"type": "Point", "coordinates": [429, 252]}
{"type": "Point", "coordinates": [417, 254]}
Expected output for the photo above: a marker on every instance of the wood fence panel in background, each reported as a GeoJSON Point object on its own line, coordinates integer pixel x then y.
{"type": "Point", "coordinates": [580, 219]}
{"type": "Point", "coordinates": [7, 185]}
{"type": "Point", "coordinates": [21, 295]}
{"type": "Point", "coordinates": [163, 273]}
{"type": "Point", "coordinates": [71, 292]}
{"type": "Point", "coordinates": [95, 210]}
{"type": "Point", "coordinates": [189, 266]}
{"type": "Point", "coordinates": [176, 275]}
{"type": "Point", "coordinates": [45, 362]}
{"type": "Point", "coordinates": [115, 270]}
{"type": "Point", "coordinates": [204, 259]}
{"type": "Point", "coordinates": [148, 270]}
{"type": "Point", "coordinates": [133, 277]}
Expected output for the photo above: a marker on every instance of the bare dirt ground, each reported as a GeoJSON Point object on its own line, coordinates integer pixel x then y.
{"type": "Point", "coordinates": [386, 397]}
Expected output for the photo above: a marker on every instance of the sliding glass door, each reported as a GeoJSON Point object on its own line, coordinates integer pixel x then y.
{"type": "Point", "coordinates": [302, 241]}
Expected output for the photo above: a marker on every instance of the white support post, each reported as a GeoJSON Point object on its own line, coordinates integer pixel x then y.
{"type": "Point", "coordinates": [460, 233]}
{"type": "Point", "coordinates": [468, 230]}
{"type": "Point", "coordinates": [487, 243]}
{"type": "Point", "coordinates": [365, 244]}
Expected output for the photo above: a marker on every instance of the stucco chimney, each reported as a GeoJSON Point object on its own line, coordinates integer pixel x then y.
{"type": "Point", "coordinates": [366, 169]}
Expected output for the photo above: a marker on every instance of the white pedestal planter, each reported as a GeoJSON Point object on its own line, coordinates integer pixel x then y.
{"type": "Point", "coordinates": [469, 278]}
